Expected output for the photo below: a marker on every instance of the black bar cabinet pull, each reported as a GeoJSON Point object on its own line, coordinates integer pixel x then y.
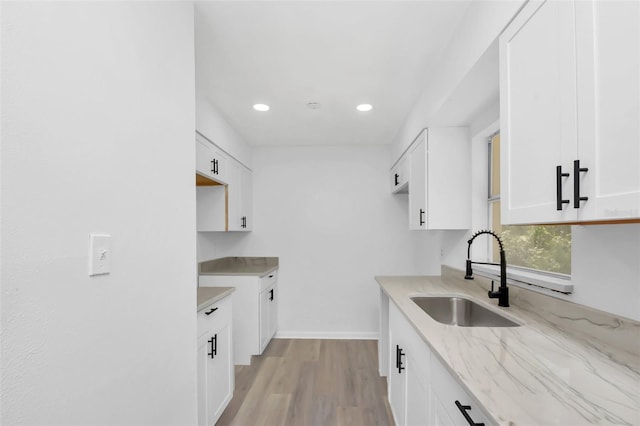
{"type": "Point", "coordinates": [576, 184]}
{"type": "Point", "coordinates": [214, 346]}
{"type": "Point", "coordinates": [559, 176]}
{"type": "Point", "coordinates": [213, 166]}
{"type": "Point", "coordinates": [211, 311]}
{"type": "Point", "coordinates": [396, 179]}
{"type": "Point", "coordinates": [399, 355]}
{"type": "Point", "coordinates": [463, 409]}
{"type": "Point", "coordinates": [271, 294]}
{"type": "Point", "coordinates": [421, 217]}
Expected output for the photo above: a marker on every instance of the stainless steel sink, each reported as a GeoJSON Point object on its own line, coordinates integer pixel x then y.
{"type": "Point", "coordinates": [460, 311]}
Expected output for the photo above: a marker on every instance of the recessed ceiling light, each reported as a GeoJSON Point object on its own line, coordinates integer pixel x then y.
{"type": "Point", "coordinates": [313, 105]}
{"type": "Point", "coordinates": [261, 107]}
{"type": "Point", "coordinates": [364, 107]}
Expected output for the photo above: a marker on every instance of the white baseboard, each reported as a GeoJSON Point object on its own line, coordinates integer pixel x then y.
{"type": "Point", "coordinates": [342, 335]}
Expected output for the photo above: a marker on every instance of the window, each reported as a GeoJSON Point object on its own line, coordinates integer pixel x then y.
{"type": "Point", "coordinates": [540, 247]}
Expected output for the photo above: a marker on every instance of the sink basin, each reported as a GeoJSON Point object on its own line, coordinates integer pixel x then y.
{"type": "Point", "coordinates": [460, 311]}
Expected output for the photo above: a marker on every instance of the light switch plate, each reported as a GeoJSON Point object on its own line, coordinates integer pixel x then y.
{"type": "Point", "coordinates": [99, 254]}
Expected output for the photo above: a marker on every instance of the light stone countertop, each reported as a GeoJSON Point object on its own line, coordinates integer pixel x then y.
{"type": "Point", "coordinates": [256, 266]}
{"type": "Point", "coordinates": [567, 365]}
{"type": "Point", "coordinates": [209, 295]}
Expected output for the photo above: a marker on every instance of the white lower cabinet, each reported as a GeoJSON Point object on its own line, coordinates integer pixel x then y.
{"type": "Point", "coordinates": [268, 314]}
{"type": "Point", "coordinates": [216, 380]}
{"type": "Point", "coordinates": [408, 380]}
{"type": "Point", "coordinates": [255, 313]}
{"type": "Point", "coordinates": [421, 390]}
{"type": "Point", "coordinates": [455, 405]}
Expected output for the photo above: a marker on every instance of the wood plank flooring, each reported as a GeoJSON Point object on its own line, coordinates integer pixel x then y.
{"type": "Point", "coordinates": [310, 383]}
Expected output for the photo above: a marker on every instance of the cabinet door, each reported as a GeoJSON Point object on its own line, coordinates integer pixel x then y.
{"type": "Point", "coordinates": [273, 311]}
{"type": "Point", "coordinates": [608, 53]}
{"type": "Point", "coordinates": [247, 199]}
{"type": "Point", "coordinates": [265, 305]}
{"type": "Point", "coordinates": [204, 157]}
{"type": "Point", "coordinates": [417, 189]}
{"type": "Point", "coordinates": [397, 379]}
{"type": "Point", "coordinates": [234, 196]}
{"type": "Point", "coordinates": [203, 349]}
{"type": "Point", "coordinates": [268, 315]}
{"type": "Point", "coordinates": [210, 160]}
{"type": "Point", "coordinates": [400, 176]}
{"type": "Point", "coordinates": [417, 393]}
{"type": "Point", "coordinates": [221, 374]}
{"type": "Point", "coordinates": [538, 113]}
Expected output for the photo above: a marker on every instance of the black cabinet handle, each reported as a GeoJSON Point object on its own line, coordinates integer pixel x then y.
{"type": "Point", "coordinates": [211, 311]}
{"type": "Point", "coordinates": [463, 409]}
{"type": "Point", "coordinates": [421, 217]}
{"type": "Point", "coordinates": [576, 184]}
{"type": "Point", "coordinates": [397, 176]}
{"type": "Point", "coordinates": [559, 176]}
{"type": "Point", "coordinates": [213, 166]}
{"type": "Point", "coordinates": [271, 294]}
{"type": "Point", "coordinates": [271, 276]}
{"type": "Point", "coordinates": [214, 346]}
{"type": "Point", "coordinates": [399, 355]}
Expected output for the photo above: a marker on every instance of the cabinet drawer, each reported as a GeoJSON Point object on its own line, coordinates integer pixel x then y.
{"type": "Point", "coordinates": [268, 280]}
{"type": "Point", "coordinates": [447, 390]}
{"type": "Point", "coordinates": [214, 316]}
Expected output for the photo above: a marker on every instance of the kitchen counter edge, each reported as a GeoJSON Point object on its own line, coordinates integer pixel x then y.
{"type": "Point", "coordinates": [210, 295]}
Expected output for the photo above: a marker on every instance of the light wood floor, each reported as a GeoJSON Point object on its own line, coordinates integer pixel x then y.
{"type": "Point", "coordinates": [310, 383]}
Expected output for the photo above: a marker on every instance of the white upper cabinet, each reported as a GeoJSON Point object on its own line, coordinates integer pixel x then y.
{"type": "Point", "coordinates": [569, 113]}
{"type": "Point", "coordinates": [211, 162]}
{"type": "Point", "coordinates": [440, 179]}
{"type": "Point", "coordinates": [400, 176]}
{"type": "Point", "coordinates": [239, 197]}
{"type": "Point", "coordinates": [224, 196]}
{"type": "Point", "coordinates": [608, 54]}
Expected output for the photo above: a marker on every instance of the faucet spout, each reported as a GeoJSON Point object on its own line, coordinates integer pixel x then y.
{"type": "Point", "coordinates": [502, 294]}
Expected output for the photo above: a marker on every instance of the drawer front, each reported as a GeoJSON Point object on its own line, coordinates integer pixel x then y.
{"type": "Point", "coordinates": [214, 316]}
{"type": "Point", "coordinates": [268, 280]}
{"type": "Point", "coordinates": [448, 391]}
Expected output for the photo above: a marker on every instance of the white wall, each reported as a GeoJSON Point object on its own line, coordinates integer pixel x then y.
{"type": "Point", "coordinates": [329, 215]}
{"type": "Point", "coordinates": [479, 28]}
{"type": "Point", "coordinates": [97, 136]}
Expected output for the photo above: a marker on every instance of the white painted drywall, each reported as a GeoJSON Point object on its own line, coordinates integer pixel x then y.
{"type": "Point", "coordinates": [479, 28]}
{"type": "Point", "coordinates": [329, 214]}
{"type": "Point", "coordinates": [98, 128]}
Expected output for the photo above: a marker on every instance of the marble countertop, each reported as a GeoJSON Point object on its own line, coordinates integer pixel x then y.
{"type": "Point", "coordinates": [256, 266]}
{"type": "Point", "coordinates": [209, 295]}
{"type": "Point", "coordinates": [567, 365]}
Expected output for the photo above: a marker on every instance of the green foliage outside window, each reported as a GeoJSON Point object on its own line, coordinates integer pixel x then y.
{"type": "Point", "coordinates": [542, 247]}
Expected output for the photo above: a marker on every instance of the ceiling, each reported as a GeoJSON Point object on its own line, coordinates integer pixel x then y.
{"type": "Point", "coordinates": [335, 53]}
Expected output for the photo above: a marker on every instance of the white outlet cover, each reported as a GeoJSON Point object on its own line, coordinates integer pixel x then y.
{"type": "Point", "coordinates": [99, 254]}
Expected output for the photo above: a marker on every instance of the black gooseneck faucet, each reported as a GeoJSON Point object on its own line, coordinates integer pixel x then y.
{"type": "Point", "coordinates": [503, 291]}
